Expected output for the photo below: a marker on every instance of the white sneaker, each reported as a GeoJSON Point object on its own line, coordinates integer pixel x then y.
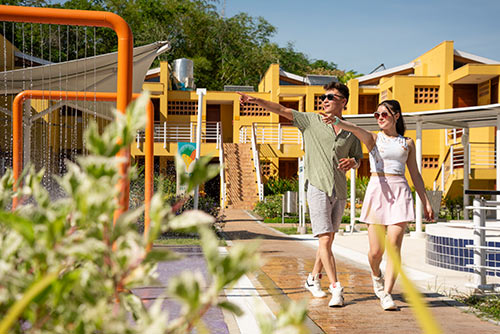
{"type": "Point", "coordinates": [387, 303]}
{"type": "Point", "coordinates": [378, 285]}
{"type": "Point", "coordinates": [314, 286]}
{"type": "Point", "coordinates": [337, 295]}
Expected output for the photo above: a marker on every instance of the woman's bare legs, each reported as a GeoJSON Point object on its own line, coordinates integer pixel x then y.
{"type": "Point", "coordinates": [395, 235]}
{"type": "Point", "coordinates": [376, 249]}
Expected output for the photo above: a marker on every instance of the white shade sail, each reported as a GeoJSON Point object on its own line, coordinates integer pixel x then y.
{"type": "Point", "coordinates": [89, 74]}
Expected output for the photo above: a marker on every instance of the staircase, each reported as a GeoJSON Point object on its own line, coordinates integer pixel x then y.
{"type": "Point", "coordinates": [241, 184]}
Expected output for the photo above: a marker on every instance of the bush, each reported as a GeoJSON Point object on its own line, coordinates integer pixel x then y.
{"type": "Point", "coordinates": [361, 184]}
{"type": "Point", "coordinates": [453, 208]}
{"type": "Point", "coordinates": [270, 207]}
{"type": "Point", "coordinates": [276, 185]}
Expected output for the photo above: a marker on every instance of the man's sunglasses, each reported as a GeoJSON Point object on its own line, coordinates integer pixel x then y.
{"type": "Point", "coordinates": [383, 114]}
{"type": "Point", "coordinates": [331, 97]}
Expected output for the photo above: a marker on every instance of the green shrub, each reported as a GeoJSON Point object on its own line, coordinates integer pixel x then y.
{"type": "Point", "coordinates": [270, 207]}
{"type": "Point", "coordinates": [453, 208]}
{"type": "Point", "coordinates": [361, 184]}
{"type": "Point", "coordinates": [276, 185]}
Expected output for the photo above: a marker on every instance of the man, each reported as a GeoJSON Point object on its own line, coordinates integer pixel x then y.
{"type": "Point", "coordinates": [329, 153]}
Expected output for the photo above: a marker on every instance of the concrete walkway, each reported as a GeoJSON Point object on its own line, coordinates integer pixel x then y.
{"type": "Point", "coordinates": [290, 258]}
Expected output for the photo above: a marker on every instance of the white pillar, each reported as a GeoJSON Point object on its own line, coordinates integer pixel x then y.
{"type": "Point", "coordinates": [497, 151]}
{"type": "Point", "coordinates": [479, 241]}
{"type": "Point", "coordinates": [201, 92]}
{"type": "Point", "coordinates": [418, 209]}
{"type": "Point", "coordinates": [353, 199]}
{"type": "Point", "coordinates": [465, 144]}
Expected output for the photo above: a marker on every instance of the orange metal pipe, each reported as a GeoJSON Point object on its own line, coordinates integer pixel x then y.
{"type": "Point", "coordinates": [17, 145]}
{"type": "Point", "coordinates": [125, 58]}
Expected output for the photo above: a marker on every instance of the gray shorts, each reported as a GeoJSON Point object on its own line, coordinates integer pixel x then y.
{"type": "Point", "coordinates": [325, 211]}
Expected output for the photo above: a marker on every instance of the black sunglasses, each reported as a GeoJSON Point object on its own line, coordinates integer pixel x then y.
{"type": "Point", "coordinates": [331, 97]}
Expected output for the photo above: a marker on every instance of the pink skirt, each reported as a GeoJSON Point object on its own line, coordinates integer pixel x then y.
{"type": "Point", "coordinates": [388, 201]}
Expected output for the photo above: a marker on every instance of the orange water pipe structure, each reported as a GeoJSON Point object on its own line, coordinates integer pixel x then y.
{"type": "Point", "coordinates": [124, 75]}
{"type": "Point", "coordinates": [17, 145]}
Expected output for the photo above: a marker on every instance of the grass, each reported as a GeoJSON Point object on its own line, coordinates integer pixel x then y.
{"type": "Point", "coordinates": [288, 220]}
{"type": "Point", "coordinates": [291, 230]}
{"type": "Point", "coordinates": [184, 238]}
{"type": "Point", "coordinates": [486, 305]}
{"type": "Point", "coordinates": [177, 241]}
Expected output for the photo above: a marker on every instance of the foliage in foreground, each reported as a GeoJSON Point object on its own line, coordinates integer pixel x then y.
{"type": "Point", "coordinates": [65, 267]}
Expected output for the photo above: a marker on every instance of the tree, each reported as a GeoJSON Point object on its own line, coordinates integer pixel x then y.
{"type": "Point", "coordinates": [235, 50]}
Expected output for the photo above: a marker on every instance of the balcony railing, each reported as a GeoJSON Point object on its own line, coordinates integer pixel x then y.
{"type": "Point", "coordinates": [481, 156]}
{"type": "Point", "coordinates": [274, 134]}
{"type": "Point", "coordinates": [165, 132]}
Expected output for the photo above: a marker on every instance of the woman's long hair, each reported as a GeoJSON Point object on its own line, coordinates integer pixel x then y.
{"type": "Point", "coordinates": [394, 107]}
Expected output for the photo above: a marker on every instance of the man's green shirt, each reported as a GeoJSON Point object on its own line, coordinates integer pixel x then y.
{"type": "Point", "coordinates": [323, 150]}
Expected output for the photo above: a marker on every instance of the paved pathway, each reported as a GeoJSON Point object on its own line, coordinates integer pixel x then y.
{"type": "Point", "coordinates": [192, 260]}
{"type": "Point", "coordinates": [288, 260]}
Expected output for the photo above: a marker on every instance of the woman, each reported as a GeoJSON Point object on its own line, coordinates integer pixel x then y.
{"type": "Point", "coordinates": [388, 201]}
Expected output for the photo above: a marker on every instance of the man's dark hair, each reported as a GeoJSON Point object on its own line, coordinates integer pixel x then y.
{"type": "Point", "coordinates": [340, 87]}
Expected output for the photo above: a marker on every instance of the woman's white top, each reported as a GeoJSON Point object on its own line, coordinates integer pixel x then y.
{"type": "Point", "coordinates": [389, 155]}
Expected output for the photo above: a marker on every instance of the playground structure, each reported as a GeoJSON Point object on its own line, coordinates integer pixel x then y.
{"type": "Point", "coordinates": [122, 97]}
{"type": "Point", "coordinates": [78, 96]}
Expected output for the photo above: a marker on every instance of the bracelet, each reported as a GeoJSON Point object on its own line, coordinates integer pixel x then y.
{"type": "Point", "coordinates": [337, 120]}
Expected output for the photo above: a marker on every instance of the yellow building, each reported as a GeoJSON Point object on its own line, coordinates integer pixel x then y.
{"type": "Point", "coordinates": [278, 143]}
{"type": "Point", "coordinates": [442, 78]}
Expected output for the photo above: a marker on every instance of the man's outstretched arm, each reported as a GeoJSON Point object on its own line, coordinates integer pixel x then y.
{"type": "Point", "coordinates": [268, 105]}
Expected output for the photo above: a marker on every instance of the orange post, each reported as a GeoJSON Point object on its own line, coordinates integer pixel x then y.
{"type": "Point", "coordinates": [17, 145]}
{"type": "Point", "coordinates": [125, 58]}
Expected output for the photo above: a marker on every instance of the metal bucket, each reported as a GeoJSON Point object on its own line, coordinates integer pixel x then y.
{"type": "Point", "coordinates": [182, 71]}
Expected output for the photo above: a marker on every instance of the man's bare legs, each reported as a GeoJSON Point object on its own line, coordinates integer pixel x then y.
{"type": "Point", "coordinates": [324, 257]}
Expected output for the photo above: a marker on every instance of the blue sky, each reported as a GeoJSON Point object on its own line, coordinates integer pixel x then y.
{"type": "Point", "coordinates": [360, 35]}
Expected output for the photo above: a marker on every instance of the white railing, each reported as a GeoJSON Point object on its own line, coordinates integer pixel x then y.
{"type": "Point", "coordinates": [256, 162]}
{"type": "Point", "coordinates": [183, 132]}
{"type": "Point", "coordinates": [222, 175]}
{"type": "Point", "coordinates": [453, 136]}
{"type": "Point", "coordinates": [274, 134]}
{"type": "Point", "coordinates": [481, 156]}
{"type": "Point", "coordinates": [480, 243]}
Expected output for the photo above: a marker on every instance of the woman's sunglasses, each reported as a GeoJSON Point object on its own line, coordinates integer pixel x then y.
{"type": "Point", "coordinates": [383, 114]}
{"type": "Point", "coordinates": [330, 97]}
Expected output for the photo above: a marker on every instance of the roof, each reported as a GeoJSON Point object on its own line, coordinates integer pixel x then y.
{"type": "Point", "coordinates": [310, 79]}
{"type": "Point", "coordinates": [98, 73]}
{"type": "Point", "coordinates": [473, 57]}
{"type": "Point", "coordinates": [468, 117]}
{"type": "Point", "coordinates": [386, 72]}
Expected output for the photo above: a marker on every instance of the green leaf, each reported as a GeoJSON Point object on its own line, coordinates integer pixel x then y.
{"type": "Point", "coordinates": [231, 307]}
{"type": "Point", "coordinates": [161, 254]}
{"type": "Point", "coordinates": [190, 219]}
{"type": "Point", "coordinates": [22, 225]}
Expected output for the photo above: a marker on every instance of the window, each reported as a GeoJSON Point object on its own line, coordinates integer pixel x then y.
{"type": "Point", "coordinates": [426, 95]}
{"type": "Point", "coordinates": [182, 107]}
{"type": "Point", "coordinates": [252, 109]}
{"type": "Point", "coordinates": [317, 103]}
{"type": "Point", "coordinates": [430, 162]}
